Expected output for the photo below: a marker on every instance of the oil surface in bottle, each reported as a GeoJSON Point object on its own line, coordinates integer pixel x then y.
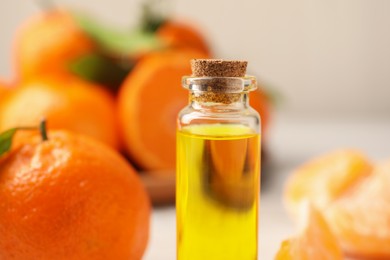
{"type": "Point", "coordinates": [218, 189]}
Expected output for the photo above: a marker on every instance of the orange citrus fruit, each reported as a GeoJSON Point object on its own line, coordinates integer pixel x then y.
{"type": "Point", "coordinates": [148, 104]}
{"type": "Point", "coordinates": [48, 42]}
{"type": "Point", "coordinates": [67, 103]}
{"type": "Point", "coordinates": [324, 179]}
{"type": "Point", "coordinates": [316, 241]}
{"type": "Point", "coordinates": [70, 197]}
{"type": "Point", "coordinates": [181, 35]}
{"type": "Point", "coordinates": [361, 217]}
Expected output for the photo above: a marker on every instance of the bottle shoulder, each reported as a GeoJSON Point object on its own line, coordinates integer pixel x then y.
{"type": "Point", "coordinates": [247, 116]}
{"type": "Point", "coordinates": [222, 113]}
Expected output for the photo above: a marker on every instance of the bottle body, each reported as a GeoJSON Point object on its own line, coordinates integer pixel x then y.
{"type": "Point", "coordinates": [218, 181]}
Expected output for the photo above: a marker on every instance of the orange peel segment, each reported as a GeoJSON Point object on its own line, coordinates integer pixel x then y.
{"type": "Point", "coordinates": [324, 179]}
{"type": "Point", "coordinates": [361, 217]}
{"type": "Point", "coordinates": [316, 241]}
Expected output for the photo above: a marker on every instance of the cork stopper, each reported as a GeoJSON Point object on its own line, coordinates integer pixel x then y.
{"type": "Point", "coordinates": [218, 68]}
{"type": "Point", "coordinates": [219, 77]}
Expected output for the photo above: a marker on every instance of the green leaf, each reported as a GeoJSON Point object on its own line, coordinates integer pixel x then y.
{"type": "Point", "coordinates": [101, 69]}
{"type": "Point", "coordinates": [127, 43]}
{"type": "Point", "coordinates": [152, 16]}
{"type": "Point", "coordinates": [6, 140]}
{"type": "Point", "coordinates": [6, 137]}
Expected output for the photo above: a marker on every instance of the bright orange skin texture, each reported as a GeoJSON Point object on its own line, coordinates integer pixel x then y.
{"type": "Point", "coordinates": [70, 198]}
{"type": "Point", "coordinates": [148, 104]}
{"type": "Point", "coordinates": [67, 103]}
{"type": "Point", "coordinates": [180, 35]}
{"type": "Point", "coordinates": [47, 43]}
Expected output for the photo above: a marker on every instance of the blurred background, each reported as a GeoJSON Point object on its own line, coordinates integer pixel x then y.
{"type": "Point", "coordinates": [326, 58]}
{"type": "Point", "coordinates": [325, 63]}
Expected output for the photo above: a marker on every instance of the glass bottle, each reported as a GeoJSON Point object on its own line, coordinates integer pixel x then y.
{"type": "Point", "coordinates": [218, 170]}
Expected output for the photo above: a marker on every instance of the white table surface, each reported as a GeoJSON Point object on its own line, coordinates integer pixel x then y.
{"type": "Point", "coordinates": [290, 143]}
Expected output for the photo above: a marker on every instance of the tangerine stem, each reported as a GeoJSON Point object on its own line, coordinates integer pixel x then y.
{"type": "Point", "coordinates": [43, 130]}
{"type": "Point", "coordinates": [27, 128]}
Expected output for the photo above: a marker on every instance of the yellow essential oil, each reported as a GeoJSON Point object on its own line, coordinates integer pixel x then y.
{"type": "Point", "coordinates": [218, 187]}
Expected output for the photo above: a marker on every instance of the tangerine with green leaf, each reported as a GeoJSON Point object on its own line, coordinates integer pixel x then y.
{"type": "Point", "coordinates": [66, 196]}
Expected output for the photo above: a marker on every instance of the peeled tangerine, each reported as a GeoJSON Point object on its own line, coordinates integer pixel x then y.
{"type": "Point", "coordinates": [324, 179]}
{"type": "Point", "coordinates": [361, 217]}
{"type": "Point", "coordinates": [316, 241]}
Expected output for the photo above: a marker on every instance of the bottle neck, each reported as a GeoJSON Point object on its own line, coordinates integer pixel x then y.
{"type": "Point", "coordinates": [219, 101]}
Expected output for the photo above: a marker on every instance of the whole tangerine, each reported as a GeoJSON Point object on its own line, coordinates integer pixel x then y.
{"type": "Point", "coordinates": [148, 103]}
{"type": "Point", "coordinates": [67, 103]}
{"type": "Point", "coordinates": [70, 197]}
{"type": "Point", "coordinates": [48, 42]}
